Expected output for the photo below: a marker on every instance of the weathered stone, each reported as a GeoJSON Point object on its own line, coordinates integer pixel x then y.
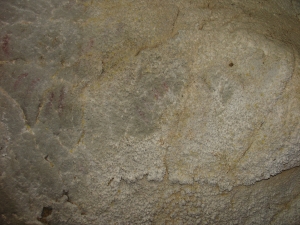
{"type": "Point", "coordinates": [150, 112]}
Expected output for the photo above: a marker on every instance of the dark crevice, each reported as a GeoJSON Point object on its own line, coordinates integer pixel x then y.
{"type": "Point", "coordinates": [46, 212]}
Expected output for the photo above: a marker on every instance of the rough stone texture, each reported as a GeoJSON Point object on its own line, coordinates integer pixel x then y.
{"type": "Point", "coordinates": [150, 112]}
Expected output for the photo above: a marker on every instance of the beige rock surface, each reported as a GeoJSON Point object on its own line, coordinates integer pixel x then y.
{"type": "Point", "coordinates": [150, 112]}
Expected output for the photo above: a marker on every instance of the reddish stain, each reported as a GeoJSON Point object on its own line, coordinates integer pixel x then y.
{"type": "Point", "coordinates": [156, 94]}
{"type": "Point", "coordinates": [19, 79]}
{"type": "Point", "coordinates": [5, 44]}
{"type": "Point", "coordinates": [50, 102]}
{"type": "Point", "coordinates": [61, 99]}
{"type": "Point", "coordinates": [32, 86]}
{"type": "Point", "coordinates": [160, 93]}
{"type": "Point", "coordinates": [141, 113]}
{"type": "Point", "coordinates": [166, 86]}
{"type": "Point", "coordinates": [34, 82]}
{"type": "Point", "coordinates": [91, 43]}
{"type": "Point", "coordinates": [51, 97]}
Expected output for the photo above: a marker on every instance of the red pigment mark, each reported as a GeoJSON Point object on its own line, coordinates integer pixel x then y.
{"type": "Point", "coordinates": [51, 97]}
{"type": "Point", "coordinates": [34, 82]}
{"type": "Point", "coordinates": [156, 94]}
{"type": "Point", "coordinates": [49, 104]}
{"type": "Point", "coordinates": [61, 99]}
{"type": "Point", "coordinates": [89, 45]}
{"type": "Point", "coordinates": [32, 86]}
{"type": "Point", "coordinates": [141, 113]}
{"type": "Point", "coordinates": [5, 44]}
{"type": "Point", "coordinates": [19, 79]}
{"type": "Point", "coordinates": [166, 86]}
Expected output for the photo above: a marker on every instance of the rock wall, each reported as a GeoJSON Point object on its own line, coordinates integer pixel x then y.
{"type": "Point", "coordinates": [149, 112]}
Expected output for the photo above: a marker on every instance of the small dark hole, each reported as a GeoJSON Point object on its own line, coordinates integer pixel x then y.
{"type": "Point", "coordinates": [66, 193]}
{"type": "Point", "coordinates": [46, 212]}
{"type": "Point", "coordinates": [231, 64]}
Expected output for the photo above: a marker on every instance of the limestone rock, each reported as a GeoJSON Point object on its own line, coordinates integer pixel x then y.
{"type": "Point", "coordinates": [150, 112]}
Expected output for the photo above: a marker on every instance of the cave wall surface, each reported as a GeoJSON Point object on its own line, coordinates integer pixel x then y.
{"type": "Point", "coordinates": [149, 112]}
